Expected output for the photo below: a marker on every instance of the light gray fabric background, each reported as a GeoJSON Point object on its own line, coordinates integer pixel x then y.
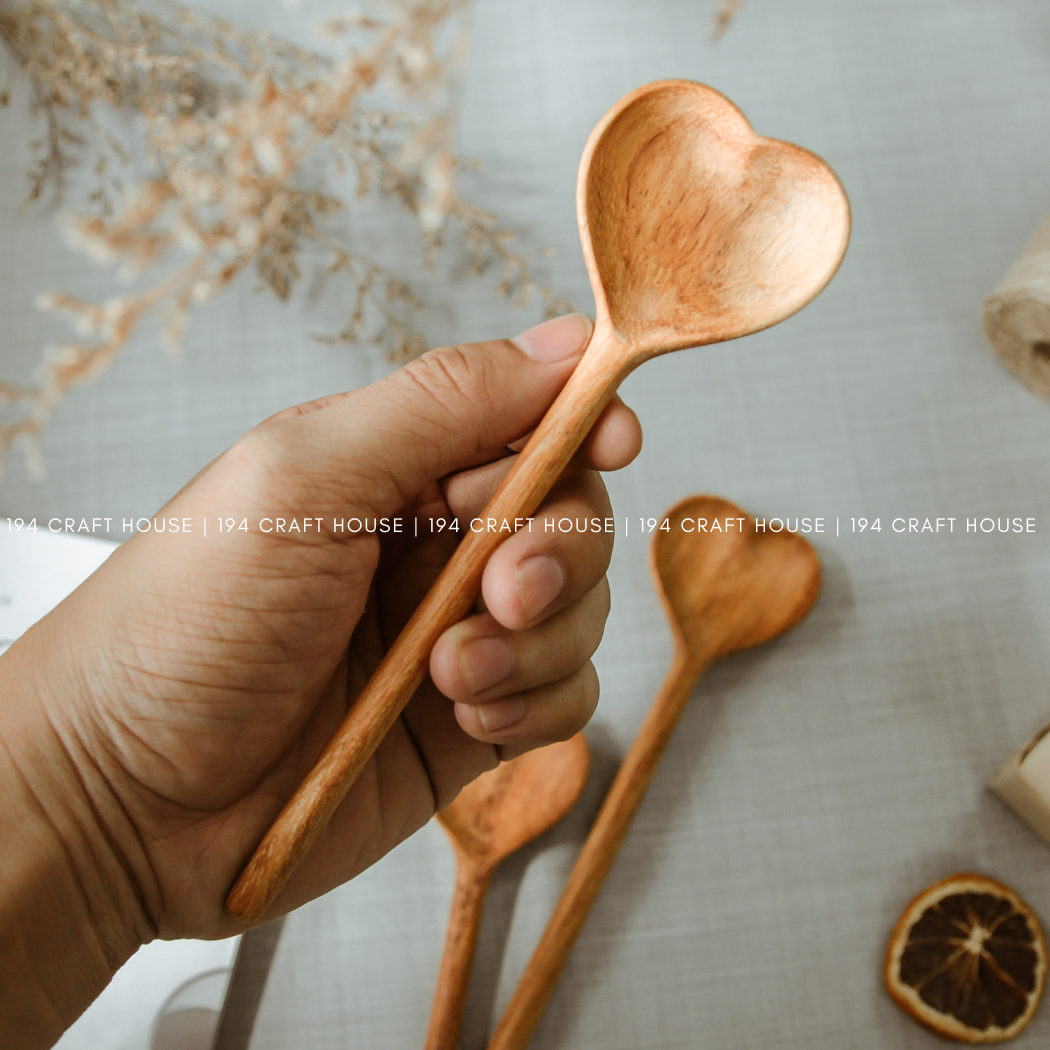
{"type": "Point", "coordinates": [815, 785]}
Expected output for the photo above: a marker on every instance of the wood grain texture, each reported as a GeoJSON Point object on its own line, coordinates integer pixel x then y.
{"type": "Point", "coordinates": [694, 229]}
{"type": "Point", "coordinates": [450, 993]}
{"type": "Point", "coordinates": [722, 591]}
{"type": "Point", "coordinates": [492, 818]}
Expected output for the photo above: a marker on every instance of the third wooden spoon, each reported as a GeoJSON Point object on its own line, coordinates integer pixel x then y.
{"type": "Point", "coordinates": [493, 817]}
{"type": "Point", "coordinates": [723, 590]}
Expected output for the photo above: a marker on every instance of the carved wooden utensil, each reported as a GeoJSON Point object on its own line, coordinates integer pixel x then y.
{"type": "Point", "coordinates": [722, 592]}
{"type": "Point", "coordinates": [695, 230]}
{"type": "Point", "coordinates": [492, 818]}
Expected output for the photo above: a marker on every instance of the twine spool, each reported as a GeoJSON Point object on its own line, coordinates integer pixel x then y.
{"type": "Point", "coordinates": [1016, 315]}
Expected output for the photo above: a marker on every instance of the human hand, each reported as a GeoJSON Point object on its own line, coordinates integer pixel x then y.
{"type": "Point", "coordinates": [192, 681]}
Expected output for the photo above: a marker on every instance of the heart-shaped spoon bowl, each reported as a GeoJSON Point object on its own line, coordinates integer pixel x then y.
{"type": "Point", "coordinates": [697, 230]}
{"type": "Point", "coordinates": [519, 800]}
{"type": "Point", "coordinates": [491, 818]}
{"type": "Point", "coordinates": [729, 586]}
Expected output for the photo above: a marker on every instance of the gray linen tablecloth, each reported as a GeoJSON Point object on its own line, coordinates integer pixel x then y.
{"type": "Point", "coordinates": [812, 786]}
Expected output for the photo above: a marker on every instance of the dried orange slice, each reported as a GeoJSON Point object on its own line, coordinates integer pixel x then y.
{"type": "Point", "coordinates": [967, 959]}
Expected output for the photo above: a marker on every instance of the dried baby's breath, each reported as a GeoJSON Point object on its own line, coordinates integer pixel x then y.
{"type": "Point", "coordinates": [723, 17]}
{"type": "Point", "coordinates": [229, 122]}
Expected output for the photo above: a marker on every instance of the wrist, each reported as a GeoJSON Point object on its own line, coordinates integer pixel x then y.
{"type": "Point", "coordinates": [70, 915]}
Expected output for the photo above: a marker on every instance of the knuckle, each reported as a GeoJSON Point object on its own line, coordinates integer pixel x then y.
{"type": "Point", "coordinates": [586, 690]}
{"type": "Point", "coordinates": [263, 455]}
{"type": "Point", "coordinates": [453, 373]}
{"type": "Point", "coordinates": [576, 521]}
{"type": "Point", "coordinates": [601, 600]}
{"type": "Point", "coordinates": [587, 633]}
{"type": "Point", "coordinates": [597, 493]}
{"type": "Point", "coordinates": [586, 487]}
{"type": "Point", "coordinates": [563, 646]}
{"type": "Point", "coordinates": [604, 594]}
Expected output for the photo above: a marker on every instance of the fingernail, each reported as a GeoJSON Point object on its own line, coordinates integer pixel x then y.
{"type": "Point", "coordinates": [556, 339]}
{"type": "Point", "coordinates": [500, 714]}
{"type": "Point", "coordinates": [540, 581]}
{"type": "Point", "coordinates": [484, 662]}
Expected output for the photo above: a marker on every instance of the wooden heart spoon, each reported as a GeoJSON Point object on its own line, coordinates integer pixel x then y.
{"type": "Point", "coordinates": [492, 818]}
{"type": "Point", "coordinates": [723, 591]}
{"type": "Point", "coordinates": [695, 230]}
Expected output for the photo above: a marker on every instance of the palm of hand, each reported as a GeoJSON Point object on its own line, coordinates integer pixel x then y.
{"type": "Point", "coordinates": [211, 746]}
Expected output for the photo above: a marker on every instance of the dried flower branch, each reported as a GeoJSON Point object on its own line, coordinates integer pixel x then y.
{"type": "Point", "coordinates": [723, 17]}
{"type": "Point", "coordinates": [230, 121]}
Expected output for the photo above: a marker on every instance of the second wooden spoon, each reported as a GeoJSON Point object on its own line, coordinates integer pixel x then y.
{"type": "Point", "coordinates": [723, 590]}
{"type": "Point", "coordinates": [492, 818]}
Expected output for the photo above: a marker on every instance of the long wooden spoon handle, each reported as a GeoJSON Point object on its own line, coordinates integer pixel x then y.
{"type": "Point", "coordinates": [596, 858]}
{"type": "Point", "coordinates": [558, 436]}
{"type": "Point", "coordinates": [450, 994]}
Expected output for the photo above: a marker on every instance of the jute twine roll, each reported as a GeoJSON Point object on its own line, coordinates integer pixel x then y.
{"type": "Point", "coordinates": [1016, 315]}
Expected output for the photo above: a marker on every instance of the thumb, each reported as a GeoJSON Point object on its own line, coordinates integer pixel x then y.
{"type": "Point", "coordinates": [453, 408]}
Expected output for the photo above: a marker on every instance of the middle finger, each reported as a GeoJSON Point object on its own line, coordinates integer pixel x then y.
{"type": "Point", "coordinates": [559, 554]}
{"type": "Point", "coordinates": [479, 660]}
